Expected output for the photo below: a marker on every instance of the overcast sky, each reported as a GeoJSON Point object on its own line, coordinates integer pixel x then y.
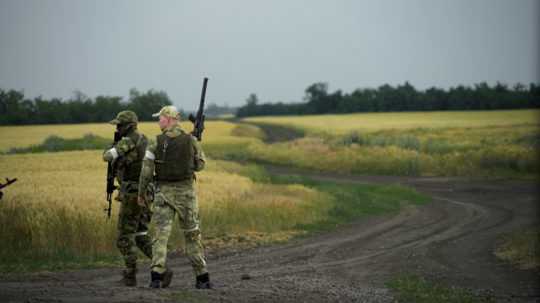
{"type": "Point", "coordinates": [272, 48]}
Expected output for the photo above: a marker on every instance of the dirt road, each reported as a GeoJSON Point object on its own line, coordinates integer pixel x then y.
{"type": "Point", "coordinates": [449, 240]}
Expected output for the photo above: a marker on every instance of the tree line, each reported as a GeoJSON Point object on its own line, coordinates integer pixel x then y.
{"type": "Point", "coordinates": [403, 97]}
{"type": "Point", "coordinates": [215, 111]}
{"type": "Point", "coordinates": [15, 109]}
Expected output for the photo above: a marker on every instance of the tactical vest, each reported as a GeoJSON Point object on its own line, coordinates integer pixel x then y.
{"type": "Point", "coordinates": [175, 158]}
{"type": "Point", "coordinates": [132, 169]}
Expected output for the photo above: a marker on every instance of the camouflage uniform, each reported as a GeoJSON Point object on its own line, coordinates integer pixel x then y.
{"type": "Point", "coordinates": [174, 197]}
{"type": "Point", "coordinates": [133, 219]}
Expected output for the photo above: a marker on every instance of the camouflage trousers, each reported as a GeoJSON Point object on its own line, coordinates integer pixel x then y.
{"type": "Point", "coordinates": [180, 199]}
{"type": "Point", "coordinates": [133, 230]}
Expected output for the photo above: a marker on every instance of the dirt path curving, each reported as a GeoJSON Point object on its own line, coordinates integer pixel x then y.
{"type": "Point", "coordinates": [277, 133]}
{"type": "Point", "coordinates": [449, 240]}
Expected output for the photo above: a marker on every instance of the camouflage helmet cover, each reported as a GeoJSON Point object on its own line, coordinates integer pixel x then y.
{"type": "Point", "coordinates": [125, 117]}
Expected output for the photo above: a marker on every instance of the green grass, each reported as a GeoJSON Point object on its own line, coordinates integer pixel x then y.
{"type": "Point", "coordinates": [521, 248]}
{"type": "Point", "coordinates": [350, 202]}
{"type": "Point", "coordinates": [411, 288]}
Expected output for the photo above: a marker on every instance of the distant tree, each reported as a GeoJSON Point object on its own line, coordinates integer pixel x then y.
{"type": "Point", "coordinates": [407, 98]}
{"type": "Point", "coordinates": [106, 107]}
{"type": "Point", "coordinates": [145, 104]}
{"type": "Point", "coordinates": [214, 110]}
{"type": "Point", "coordinates": [386, 98]}
{"type": "Point", "coordinates": [316, 96]}
{"type": "Point", "coordinates": [250, 109]}
{"type": "Point", "coordinates": [16, 109]}
{"type": "Point", "coordinates": [252, 100]}
{"type": "Point", "coordinates": [11, 107]}
{"type": "Point", "coordinates": [316, 92]}
{"type": "Point", "coordinates": [434, 99]}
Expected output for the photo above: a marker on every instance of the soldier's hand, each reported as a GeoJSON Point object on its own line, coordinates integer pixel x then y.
{"type": "Point", "coordinates": [141, 201]}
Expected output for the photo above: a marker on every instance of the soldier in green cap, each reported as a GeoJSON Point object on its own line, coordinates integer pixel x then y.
{"type": "Point", "coordinates": [175, 156]}
{"type": "Point", "coordinates": [133, 219]}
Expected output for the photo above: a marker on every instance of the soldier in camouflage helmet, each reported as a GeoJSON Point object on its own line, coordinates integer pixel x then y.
{"type": "Point", "coordinates": [175, 156]}
{"type": "Point", "coordinates": [133, 219]}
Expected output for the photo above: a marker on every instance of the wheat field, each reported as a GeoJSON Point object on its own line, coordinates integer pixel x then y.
{"type": "Point", "coordinates": [55, 209]}
{"type": "Point", "coordinates": [216, 132]}
{"type": "Point", "coordinates": [471, 143]}
{"type": "Point", "coordinates": [370, 122]}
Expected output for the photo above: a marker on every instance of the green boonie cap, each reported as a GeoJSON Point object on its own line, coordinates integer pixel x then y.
{"type": "Point", "coordinates": [124, 117]}
{"type": "Point", "coordinates": [168, 111]}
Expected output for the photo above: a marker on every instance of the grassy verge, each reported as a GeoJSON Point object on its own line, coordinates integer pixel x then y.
{"type": "Point", "coordinates": [349, 202]}
{"type": "Point", "coordinates": [521, 248]}
{"type": "Point", "coordinates": [411, 288]}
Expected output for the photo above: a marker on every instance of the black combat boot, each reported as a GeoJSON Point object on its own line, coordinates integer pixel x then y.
{"type": "Point", "coordinates": [161, 280]}
{"type": "Point", "coordinates": [166, 278]}
{"type": "Point", "coordinates": [203, 282]}
{"type": "Point", "coordinates": [129, 277]}
{"type": "Point", "coordinates": [155, 279]}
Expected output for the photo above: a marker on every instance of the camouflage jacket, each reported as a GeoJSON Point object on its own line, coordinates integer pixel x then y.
{"type": "Point", "coordinates": [147, 172]}
{"type": "Point", "coordinates": [125, 153]}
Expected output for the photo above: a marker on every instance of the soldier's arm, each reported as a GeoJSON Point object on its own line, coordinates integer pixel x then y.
{"type": "Point", "coordinates": [147, 170]}
{"type": "Point", "coordinates": [110, 154]}
{"type": "Point", "coordinates": [200, 159]}
{"type": "Point", "coordinates": [119, 149]}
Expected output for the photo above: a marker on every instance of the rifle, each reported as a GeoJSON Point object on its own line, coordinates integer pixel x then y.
{"type": "Point", "coordinates": [8, 182]}
{"type": "Point", "coordinates": [110, 177]}
{"type": "Point", "coordinates": [198, 120]}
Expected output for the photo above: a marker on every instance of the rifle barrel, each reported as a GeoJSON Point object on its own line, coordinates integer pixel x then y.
{"type": "Point", "coordinates": [203, 96]}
